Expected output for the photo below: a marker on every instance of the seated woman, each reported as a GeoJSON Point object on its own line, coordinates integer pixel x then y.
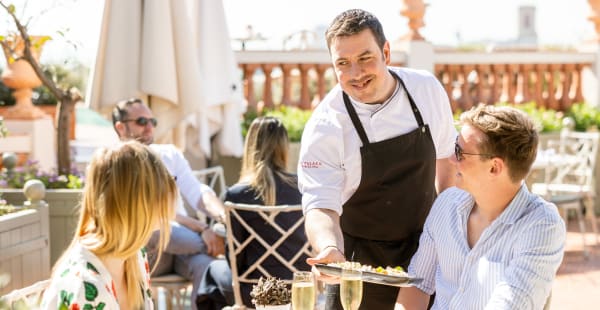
{"type": "Point", "coordinates": [263, 181]}
{"type": "Point", "coordinates": [128, 194]}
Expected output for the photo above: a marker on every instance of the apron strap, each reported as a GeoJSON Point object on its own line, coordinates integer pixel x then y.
{"type": "Point", "coordinates": [356, 121]}
{"type": "Point", "coordinates": [413, 105]}
{"type": "Point", "coordinates": [354, 117]}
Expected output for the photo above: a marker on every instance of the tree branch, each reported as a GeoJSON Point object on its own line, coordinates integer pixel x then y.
{"type": "Point", "coordinates": [28, 56]}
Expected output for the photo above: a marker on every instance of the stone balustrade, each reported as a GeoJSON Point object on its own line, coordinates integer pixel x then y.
{"type": "Point", "coordinates": [293, 78]}
{"type": "Point", "coordinates": [551, 79]}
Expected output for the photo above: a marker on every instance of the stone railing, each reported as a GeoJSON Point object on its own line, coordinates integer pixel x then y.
{"type": "Point", "coordinates": [551, 79]}
{"type": "Point", "coordinates": [294, 78]}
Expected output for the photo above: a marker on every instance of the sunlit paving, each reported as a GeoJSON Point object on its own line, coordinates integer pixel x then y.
{"type": "Point", "coordinates": [264, 154]}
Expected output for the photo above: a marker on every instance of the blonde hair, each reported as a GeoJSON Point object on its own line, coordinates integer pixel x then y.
{"type": "Point", "coordinates": [128, 192]}
{"type": "Point", "coordinates": [265, 155]}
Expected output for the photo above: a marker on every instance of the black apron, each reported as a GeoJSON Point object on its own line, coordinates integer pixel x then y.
{"type": "Point", "coordinates": [384, 218]}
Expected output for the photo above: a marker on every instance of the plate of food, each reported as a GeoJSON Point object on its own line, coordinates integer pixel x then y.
{"type": "Point", "coordinates": [394, 276]}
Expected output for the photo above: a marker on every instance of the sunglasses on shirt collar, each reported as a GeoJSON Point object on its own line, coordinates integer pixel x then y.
{"type": "Point", "coordinates": [142, 121]}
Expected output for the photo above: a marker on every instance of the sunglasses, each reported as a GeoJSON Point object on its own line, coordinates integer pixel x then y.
{"type": "Point", "coordinates": [460, 154]}
{"type": "Point", "coordinates": [142, 121]}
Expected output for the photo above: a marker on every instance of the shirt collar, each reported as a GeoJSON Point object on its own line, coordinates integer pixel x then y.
{"type": "Point", "coordinates": [516, 207]}
{"type": "Point", "coordinates": [510, 215]}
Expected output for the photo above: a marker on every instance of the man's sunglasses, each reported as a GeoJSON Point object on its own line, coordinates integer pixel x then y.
{"type": "Point", "coordinates": [460, 154]}
{"type": "Point", "coordinates": [142, 121]}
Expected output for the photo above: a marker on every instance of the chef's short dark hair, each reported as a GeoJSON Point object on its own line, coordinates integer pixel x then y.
{"type": "Point", "coordinates": [352, 22]}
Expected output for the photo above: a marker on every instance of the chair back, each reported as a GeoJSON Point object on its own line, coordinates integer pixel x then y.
{"type": "Point", "coordinates": [236, 247]}
{"type": "Point", "coordinates": [28, 297]}
{"type": "Point", "coordinates": [213, 177]}
{"type": "Point", "coordinates": [578, 152]}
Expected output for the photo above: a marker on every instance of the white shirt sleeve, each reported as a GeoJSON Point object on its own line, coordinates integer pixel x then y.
{"type": "Point", "coordinates": [189, 187]}
{"type": "Point", "coordinates": [320, 171]}
{"type": "Point", "coordinates": [445, 136]}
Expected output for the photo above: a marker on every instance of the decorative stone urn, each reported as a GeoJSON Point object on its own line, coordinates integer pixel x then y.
{"type": "Point", "coordinates": [20, 76]}
{"type": "Point", "coordinates": [414, 10]}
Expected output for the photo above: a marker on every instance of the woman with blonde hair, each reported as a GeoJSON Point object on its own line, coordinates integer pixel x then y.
{"type": "Point", "coordinates": [128, 194]}
{"type": "Point", "coordinates": [263, 181]}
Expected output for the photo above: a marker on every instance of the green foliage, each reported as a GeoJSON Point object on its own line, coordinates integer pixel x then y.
{"type": "Point", "coordinates": [17, 177]}
{"type": "Point", "coordinates": [294, 119]}
{"type": "Point", "coordinates": [547, 120]}
{"type": "Point", "coordinates": [585, 116]}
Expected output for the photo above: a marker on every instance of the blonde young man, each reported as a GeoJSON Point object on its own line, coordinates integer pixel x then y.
{"type": "Point", "coordinates": [374, 154]}
{"type": "Point", "coordinates": [488, 243]}
{"type": "Point", "coordinates": [192, 245]}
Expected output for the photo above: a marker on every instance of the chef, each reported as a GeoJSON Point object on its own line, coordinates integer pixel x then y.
{"type": "Point", "coordinates": [374, 155]}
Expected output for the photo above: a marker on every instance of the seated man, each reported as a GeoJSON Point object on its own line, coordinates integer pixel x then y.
{"type": "Point", "coordinates": [192, 245]}
{"type": "Point", "coordinates": [488, 243]}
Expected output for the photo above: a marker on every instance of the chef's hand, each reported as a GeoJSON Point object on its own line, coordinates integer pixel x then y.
{"type": "Point", "coordinates": [328, 255]}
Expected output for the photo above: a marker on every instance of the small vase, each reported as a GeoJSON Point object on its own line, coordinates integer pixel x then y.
{"type": "Point", "coordinates": [274, 307]}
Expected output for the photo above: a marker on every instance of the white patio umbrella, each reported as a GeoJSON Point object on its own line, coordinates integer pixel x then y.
{"type": "Point", "coordinates": [177, 54]}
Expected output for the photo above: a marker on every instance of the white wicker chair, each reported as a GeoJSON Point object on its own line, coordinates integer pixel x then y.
{"type": "Point", "coordinates": [28, 297]}
{"type": "Point", "coordinates": [570, 183]}
{"type": "Point", "coordinates": [235, 247]}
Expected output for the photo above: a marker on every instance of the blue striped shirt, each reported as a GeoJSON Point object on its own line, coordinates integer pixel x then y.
{"type": "Point", "coordinates": [511, 266]}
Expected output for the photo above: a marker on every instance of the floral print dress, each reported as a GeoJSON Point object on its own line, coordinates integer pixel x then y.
{"type": "Point", "coordinates": [82, 282]}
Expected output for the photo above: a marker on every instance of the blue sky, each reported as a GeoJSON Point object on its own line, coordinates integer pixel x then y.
{"type": "Point", "coordinates": [558, 22]}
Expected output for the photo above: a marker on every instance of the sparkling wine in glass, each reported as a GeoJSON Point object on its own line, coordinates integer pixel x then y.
{"type": "Point", "coordinates": [351, 288]}
{"type": "Point", "coordinates": [303, 291]}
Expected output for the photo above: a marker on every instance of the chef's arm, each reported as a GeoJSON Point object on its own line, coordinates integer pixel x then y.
{"type": "Point", "coordinates": [325, 235]}
{"type": "Point", "coordinates": [445, 174]}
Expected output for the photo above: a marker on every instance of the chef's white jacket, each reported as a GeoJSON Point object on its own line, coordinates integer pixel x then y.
{"type": "Point", "coordinates": [329, 169]}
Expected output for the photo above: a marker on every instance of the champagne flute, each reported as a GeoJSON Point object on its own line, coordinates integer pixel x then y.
{"type": "Point", "coordinates": [303, 291]}
{"type": "Point", "coordinates": [351, 288]}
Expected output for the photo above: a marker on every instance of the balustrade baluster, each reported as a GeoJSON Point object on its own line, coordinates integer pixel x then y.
{"type": "Point", "coordinates": [304, 91]}
{"type": "Point", "coordinates": [321, 69]}
{"type": "Point", "coordinates": [523, 83]}
{"type": "Point", "coordinates": [539, 85]}
{"type": "Point", "coordinates": [249, 70]}
{"type": "Point", "coordinates": [550, 82]}
{"type": "Point", "coordinates": [467, 95]}
{"type": "Point", "coordinates": [578, 97]}
{"type": "Point", "coordinates": [268, 86]}
{"type": "Point", "coordinates": [513, 70]}
{"type": "Point", "coordinates": [483, 83]}
{"type": "Point", "coordinates": [286, 97]}
{"type": "Point", "coordinates": [567, 73]}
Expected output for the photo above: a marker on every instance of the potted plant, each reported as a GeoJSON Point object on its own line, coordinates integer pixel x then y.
{"type": "Point", "coordinates": [271, 293]}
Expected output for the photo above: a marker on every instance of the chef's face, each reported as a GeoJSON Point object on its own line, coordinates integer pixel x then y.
{"type": "Point", "coordinates": [361, 66]}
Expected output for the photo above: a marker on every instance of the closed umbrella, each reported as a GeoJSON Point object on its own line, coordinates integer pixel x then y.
{"type": "Point", "coordinates": [176, 53]}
